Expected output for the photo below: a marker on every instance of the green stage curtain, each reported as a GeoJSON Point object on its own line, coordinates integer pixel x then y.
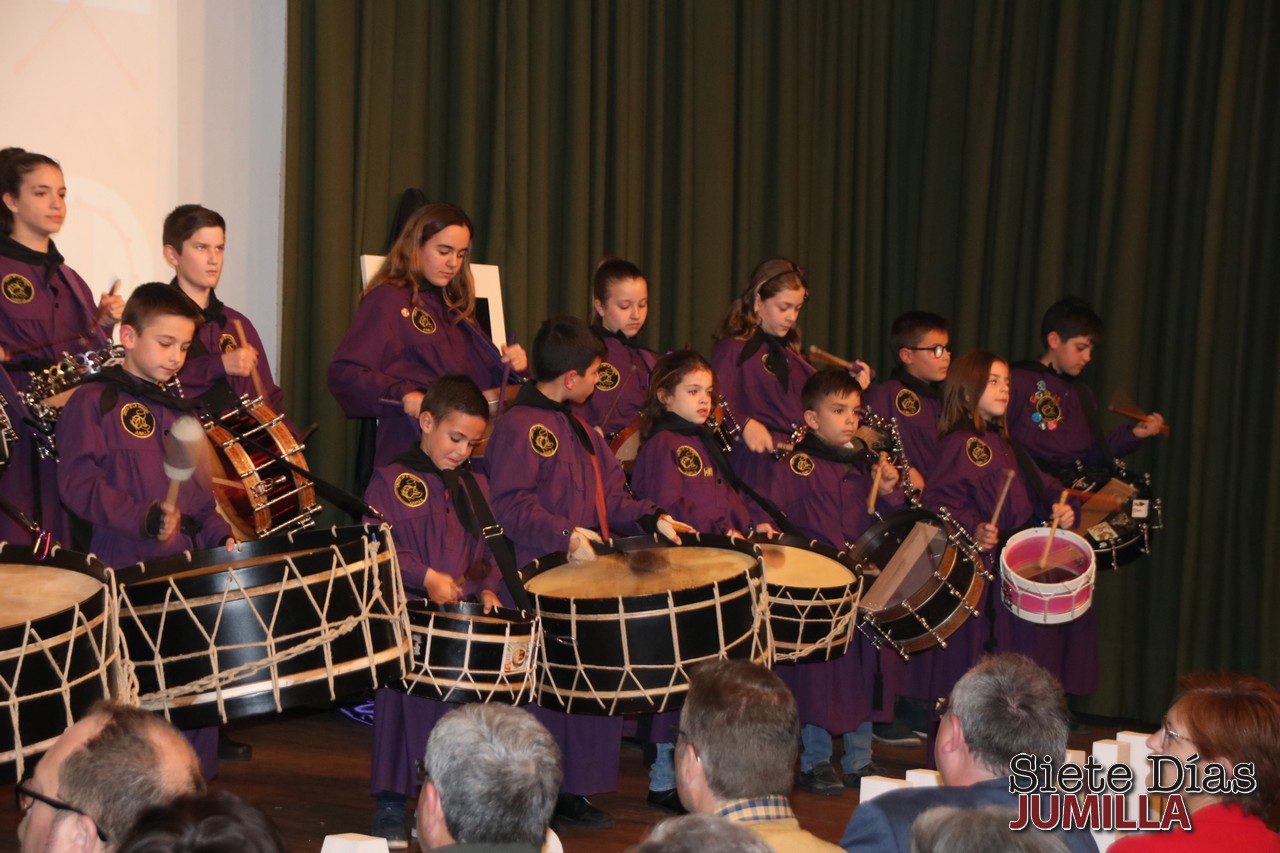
{"type": "Point", "coordinates": [979, 159]}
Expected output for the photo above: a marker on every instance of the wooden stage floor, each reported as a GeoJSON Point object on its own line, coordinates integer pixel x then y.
{"type": "Point", "coordinates": [310, 774]}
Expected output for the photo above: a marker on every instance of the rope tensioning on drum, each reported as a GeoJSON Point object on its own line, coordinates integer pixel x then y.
{"type": "Point", "coordinates": [841, 626]}
{"type": "Point", "coordinates": [502, 682]}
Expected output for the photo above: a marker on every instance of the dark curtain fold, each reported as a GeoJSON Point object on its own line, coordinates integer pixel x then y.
{"type": "Point", "coordinates": [979, 159]}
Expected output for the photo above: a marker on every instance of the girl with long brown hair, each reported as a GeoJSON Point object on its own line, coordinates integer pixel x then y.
{"type": "Point", "coordinates": [415, 323]}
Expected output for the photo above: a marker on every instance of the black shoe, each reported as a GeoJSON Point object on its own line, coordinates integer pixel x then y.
{"type": "Point", "coordinates": [894, 734]}
{"type": "Point", "coordinates": [667, 801]}
{"type": "Point", "coordinates": [852, 780]}
{"type": "Point", "coordinates": [573, 810]}
{"type": "Point", "coordinates": [822, 780]}
{"type": "Point", "coordinates": [388, 824]}
{"type": "Point", "coordinates": [233, 750]}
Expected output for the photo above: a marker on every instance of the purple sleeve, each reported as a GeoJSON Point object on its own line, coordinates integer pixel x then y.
{"type": "Point", "coordinates": [952, 487]}
{"type": "Point", "coordinates": [381, 497]}
{"type": "Point", "coordinates": [215, 530]}
{"type": "Point", "coordinates": [200, 372]}
{"type": "Point", "coordinates": [514, 488]}
{"type": "Point", "coordinates": [356, 377]}
{"type": "Point", "coordinates": [1122, 442]}
{"type": "Point", "coordinates": [728, 374]}
{"type": "Point", "coordinates": [83, 481]}
{"type": "Point", "coordinates": [655, 478]}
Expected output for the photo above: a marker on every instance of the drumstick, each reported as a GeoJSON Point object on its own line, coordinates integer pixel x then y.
{"type": "Point", "coordinates": [1135, 414]}
{"type": "Point", "coordinates": [1004, 493]}
{"type": "Point", "coordinates": [182, 448]}
{"type": "Point", "coordinates": [1062, 557]}
{"type": "Point", "coordinates": [229, 484]}
{"type": "Point", "coordinates": [875, 487]}
{"type": "Point", "coordinates": [1053, 529]}
{"type": "Point", "coordinates": [257, 380]}
{"type": "Point", "coordinates": [818, 354]}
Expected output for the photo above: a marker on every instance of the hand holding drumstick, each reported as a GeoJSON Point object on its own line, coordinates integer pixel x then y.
{"type": "Point", "coordinates": [1062, 514]}
{"type": "Point", "coordinates": [988, 533]}
{"type": "Point", "coordinates": [883, 481]}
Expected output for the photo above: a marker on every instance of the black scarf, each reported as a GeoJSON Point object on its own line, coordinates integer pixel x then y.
{"type": "Point", "coordinates": [48, 261]}
{"type": "Point", "coordinates": [415, 459]}
{"type": "Point", "coordinates": [1087, 400]}
{"type": "Point", "coordinates": [775, 360]}
{"type": "Point", "coordinates": [631, 342]}
{"type": "Point", "coordinates": [932, 390]}
{"type": "Point", "coordinates": [529, 395]}
{"type": "Point", "coordinates": [214, 312]}
{"type": "Point", "coordinates": [858, 456]}
{"type": "Point", "coordinates": [669, 422]}
{"type": "Point", "coordinates": [122, 380]}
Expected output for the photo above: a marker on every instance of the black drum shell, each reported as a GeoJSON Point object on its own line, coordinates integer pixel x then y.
{"type": "Point", "coordinates": [44, 719]}
{"type": "Point", "coordinates": [449, 655]}
{"type": "Point", "coordinates": [1135, 534]}
{"type": "Point", "coordinates": [784, 617]}
{"type": "Point", "coordinates": [648, 629]}
{"type": "Point", "coordinates": [145, 587]}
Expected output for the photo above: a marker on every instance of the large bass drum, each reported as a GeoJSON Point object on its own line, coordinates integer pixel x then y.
{"type": "Point", "coordinates": [812, 593]}
{"type": "Point", "coordinates": [462, 654]}
{"type": "Point", "coordinates": [619, 632]}
{"type": "Point", "coordinates": [925, 579]}
{"type": "Point", "coordinates": [297, 620]}
{"type": "Point", "coordinates": [57, 648]}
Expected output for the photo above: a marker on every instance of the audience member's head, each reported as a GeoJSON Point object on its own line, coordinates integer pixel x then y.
{"type": "Point", "coordinates": [1226, 719]}
{"type": "Point", "coordinates": [493, 774]}
{"type": "Point", "coordinates": [702, 833]}
{"type": "Point", "coordinates": [948, 829]}
{"type": "Point", "coordinates": [1003, 706]}
{"type": "Point", "coordinates": [216, 823]}
{"type": "Point", "coordinates": [112, 765]}
{"type": "Point", "coordinates": [739, 734]}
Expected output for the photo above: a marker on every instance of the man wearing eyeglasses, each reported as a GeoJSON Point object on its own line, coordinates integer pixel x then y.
{"type": "Point", "coordinates": [86, 792]}
{"type": "Point", "coordinates": [1003, 706]}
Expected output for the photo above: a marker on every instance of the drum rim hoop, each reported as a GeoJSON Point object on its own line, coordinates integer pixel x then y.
{"type": "Point", "coordinates": [926, 592]}
{"type": "Point", "coordinates": [623, 544]}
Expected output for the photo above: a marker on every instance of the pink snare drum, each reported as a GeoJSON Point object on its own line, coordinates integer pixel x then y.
{"type": "Point", "coordinates": [1059, 592]}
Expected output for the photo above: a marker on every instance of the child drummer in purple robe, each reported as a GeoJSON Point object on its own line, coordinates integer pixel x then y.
{"type": "Point", "coordinates": [912, 395]}
{"type": "Point", "coordinates": [620, 301]}
{"type": "Point", "coordinates": [682, 466]}
{"type": "Point", "coordinates": [442, 556]}
{"type": "Point", "coordinates": [111, 470]}
{"type": "Point", "coordinates": [547, 469]}
{"type": "Point", "coordinates": [824, 486]}
{"type": "Point", "coordinates": [975, 456]}
{"type": "Point", "coordinates": [758, 366]}
{"type": "Point", "coordinates": [1053, 414]}
{"type": "Point", "coordinates": [219, 368]}
{"type": "Point", "coordinates": [46, 310]}
{"type": "Point", "coordinates": [415, 323]}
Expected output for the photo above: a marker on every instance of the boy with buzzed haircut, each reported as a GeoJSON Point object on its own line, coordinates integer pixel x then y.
{"type": "Point", "coordinates": [219, 368]}
{"type": "Point", "coordinates": [824, 486]}
{"type": "Point", "coordinates": [439, 510]}
{"type": "Point", "coordinates": [913, 392]}
{"type": "Point", "coordinates": [557, 487]}
{"type": "Point", "coordinates": [1053, 415]}
{"type": "Point", "coordinates": [111, 467]}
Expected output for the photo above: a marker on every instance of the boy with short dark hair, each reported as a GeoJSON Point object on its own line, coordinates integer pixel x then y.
{"type": "Point", "coordinates": [428, 495]}
{"type": "Point", "coordinates": [913, 392]}
{"type": "Point", "coordinates": [557, 488]}
{"type": "Point", "coordinates": [219, 368]}
{"type": "Point", "coordinates": [823, 486]}
{"type": "Point", "coordinates": [1052, 414]}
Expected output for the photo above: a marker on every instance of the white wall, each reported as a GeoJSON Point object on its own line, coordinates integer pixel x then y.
{"type": "Point", "coordinates": [149, 104]}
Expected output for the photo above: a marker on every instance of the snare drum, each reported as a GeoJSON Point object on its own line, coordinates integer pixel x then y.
{"type": "Point", "coordinates": [296, 620]}
{"type": "Point", "coordinates": [462, 654]}
{"type": "Point", "coordinates": [620, 631]}
{"type": "Point", "coordinates": [269, 498]}
{"type": "Point", "coordinates": [1119, 517]}
{"type": "Point", "coordinates": [626, 446]}
{"type": "Point", "coordinates": [812, 593]}
{"type": "Point", "coordinates": [57, 648]}
{"type": "Point", "coordinates": [924, 579]}
{"type": "Point", "coordinates": [1061, 591]}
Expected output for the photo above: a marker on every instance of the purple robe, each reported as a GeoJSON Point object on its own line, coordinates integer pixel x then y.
{"type": "Point", "coordinates": [41, 300]}
{"type": "Point", "coordinates": [396, 346]}
{"type": "Point", "coordinates": [916, 406]}
{"type": "Point", "coordinates": [752, 391]}
{"type": "Point", "coordinates": [427, 534]}
{"type": "Point", "coordinates": [543, 486]}
{"type": "Point", "coordinates": [621, 388]}
{"type": "Point", "coordinates": [1049, 416]}
{"type": "Point", "coordinates": [827, 500]}
{"type": "Point", "coordinates": [967, 480]}
{"type": "Point", "coordinates": [111, 470]}
{"type": "Point", "coordinates": [677, 472]}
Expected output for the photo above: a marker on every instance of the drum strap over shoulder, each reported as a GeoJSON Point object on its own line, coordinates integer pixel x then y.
{"type": "Point", "coordinates": [495, 538]}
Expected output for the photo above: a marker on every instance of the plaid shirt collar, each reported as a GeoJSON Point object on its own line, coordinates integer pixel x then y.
{"type": "Point", "coordinates": [758, 809]}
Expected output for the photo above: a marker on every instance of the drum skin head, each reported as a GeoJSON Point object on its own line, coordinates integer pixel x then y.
{"type": "Point", "coordinates": [33, 592]}
{"type": "Point", "coordinates": [641, 572]}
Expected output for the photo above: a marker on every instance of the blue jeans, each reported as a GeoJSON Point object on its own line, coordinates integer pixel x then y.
{"type": "Point", "coordinates": [662, 773]}
{"type": "Point", "coordinates": [816, 748]}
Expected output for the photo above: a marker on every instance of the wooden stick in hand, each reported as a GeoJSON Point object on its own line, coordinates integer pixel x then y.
{"type": "Point", "coordinates": [257, 379]}
{"type": "Point", "coordinates": [1004, 493]}
{"type": "Point", "coordinates": [875, 489]}
{"type": "Point", "coordinates": [1053, 529]}
{"type": "Point", "coordinates": [1135, 414]}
